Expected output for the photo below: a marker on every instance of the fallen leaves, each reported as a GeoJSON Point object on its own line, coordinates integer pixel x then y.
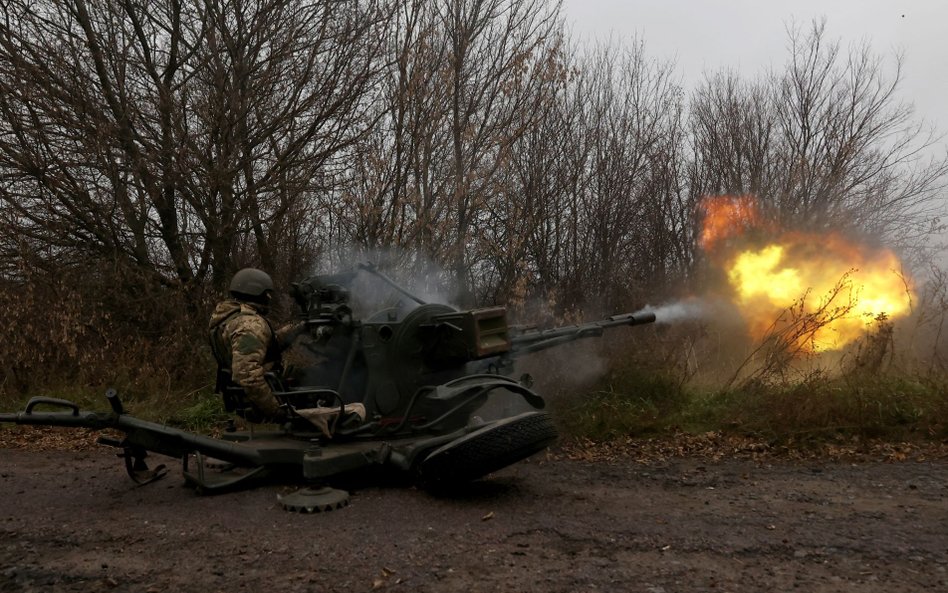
{"type": "Point", "coordinates": [382, 580]}
{"type": "Point", "coordinates": [709, 445]}
{"type": "Point", "coordinates": [52, 438]}
{"type": "Point", "coordinates": [716, 446]}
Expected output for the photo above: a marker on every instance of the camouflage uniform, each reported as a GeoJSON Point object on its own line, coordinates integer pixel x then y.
{"type": "Point", "coordinates": [244, 342]}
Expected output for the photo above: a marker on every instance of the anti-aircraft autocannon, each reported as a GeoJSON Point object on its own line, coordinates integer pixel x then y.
{"type": "Point", "coordinates": [435, 383]}
{"type": "Point", "coordinates": [403, 349]}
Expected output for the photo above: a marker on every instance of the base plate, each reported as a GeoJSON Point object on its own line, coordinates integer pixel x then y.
{"type": "Point", "coordinates": [313, 500]}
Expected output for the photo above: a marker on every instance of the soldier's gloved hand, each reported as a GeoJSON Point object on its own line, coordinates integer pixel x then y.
{"type": "Point", "coordinates": [287, 334]}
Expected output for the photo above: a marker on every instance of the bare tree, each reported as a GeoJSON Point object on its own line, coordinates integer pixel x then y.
{"type": "Point", "coordinates": [734, 133]}
{"type": "Point", "coordinates": [600, 179]}
{"type": "Point", "coordinates": [589, 215]}
{"type": "Point", "coordinates": [166, 133]}
{"type": "Point", "coordinates": [825, 144]}
{"type": "Point", "coordinates": [465, 82]}
{"type": "Point", "coordinates": [394, 193]}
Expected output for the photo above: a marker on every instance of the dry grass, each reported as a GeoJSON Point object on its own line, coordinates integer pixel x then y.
{"type": "Point", "coordinates": [778, 392]}
{"type": "Point", "coordinates": [95, 326]}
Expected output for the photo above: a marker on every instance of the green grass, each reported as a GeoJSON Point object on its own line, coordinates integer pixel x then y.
{"type": "Point", "coordinates": [630, 402]}
{"type": "Point", "coordinates": [204, 415]}
{"type": "Point", "coordinates": [818, 408]}
{"type": "Point", "coordinates": [877, 407]}
{"type": "Point", "coordinates": [198, 411]}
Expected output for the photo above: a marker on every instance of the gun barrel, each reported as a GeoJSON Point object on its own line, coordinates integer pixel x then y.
{"type": "Point", "coordinates": [630, 319]}
{"type": "Point", "coordinates": [536, 340]}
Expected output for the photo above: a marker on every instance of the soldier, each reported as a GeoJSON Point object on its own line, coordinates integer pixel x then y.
{"type": "Point", "coordinates": [245, 344]}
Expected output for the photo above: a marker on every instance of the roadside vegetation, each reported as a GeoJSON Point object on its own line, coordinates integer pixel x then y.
{"type": "Point", "coordinates": [812, 411]}
{"type": "Point", "coordinates": [150, 150]}
{"type": "Point", "coordinates": [877, 390]}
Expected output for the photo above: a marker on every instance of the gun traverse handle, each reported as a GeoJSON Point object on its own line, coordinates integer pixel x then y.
{"type": "Point", "coordinates": [50, 401]}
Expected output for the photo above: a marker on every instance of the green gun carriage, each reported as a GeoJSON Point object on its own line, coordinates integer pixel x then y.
{"type": "Point", "coordinates": [441, 405]}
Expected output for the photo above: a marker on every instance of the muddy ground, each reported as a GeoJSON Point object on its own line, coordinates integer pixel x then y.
{"type": "Point", "coordinates": [73, 522]}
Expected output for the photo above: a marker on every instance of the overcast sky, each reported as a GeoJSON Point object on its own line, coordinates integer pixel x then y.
{"type": "Point", "coordinates": [705, 35]}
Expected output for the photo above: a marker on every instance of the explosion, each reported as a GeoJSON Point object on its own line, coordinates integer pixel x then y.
{"type": "Point", "coordinates": [832, 287]}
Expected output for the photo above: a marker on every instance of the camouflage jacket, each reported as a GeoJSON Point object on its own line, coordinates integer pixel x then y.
{"type": "Point", "coordinates": [244, 342]}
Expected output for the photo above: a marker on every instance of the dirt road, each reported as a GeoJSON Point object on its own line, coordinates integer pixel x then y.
{"type": "Point", "coordinates": [73, 522]}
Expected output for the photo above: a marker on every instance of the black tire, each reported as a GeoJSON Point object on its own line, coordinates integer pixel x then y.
{"type": "Point", "coordinates": [487, 450]}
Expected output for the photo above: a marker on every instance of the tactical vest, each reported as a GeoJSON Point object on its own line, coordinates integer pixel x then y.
{"type": "Point", "coordinates": [223, 353]}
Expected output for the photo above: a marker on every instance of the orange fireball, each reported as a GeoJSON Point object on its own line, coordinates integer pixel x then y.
{"type": "Point", "coordinates": [726, 217]}
{"type": "Point", "coordinates": [843, 285]}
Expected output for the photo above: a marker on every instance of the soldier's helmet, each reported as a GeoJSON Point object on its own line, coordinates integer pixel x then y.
{"type": "Point", "coordinates": [251, 284]}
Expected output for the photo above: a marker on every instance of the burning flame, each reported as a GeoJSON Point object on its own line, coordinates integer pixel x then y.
{"type": "Point", "coordinates": [833, 286]}
{"type": "Point", "coordinates": [726, 217]}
